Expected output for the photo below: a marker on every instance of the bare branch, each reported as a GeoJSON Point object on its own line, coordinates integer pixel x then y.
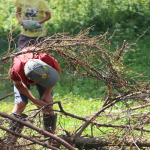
{"type": "Point", "coordinates": [39, 130]}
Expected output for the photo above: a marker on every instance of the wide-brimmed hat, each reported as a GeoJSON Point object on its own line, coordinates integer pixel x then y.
{"type": "Point", "coordinates": [41, 73]}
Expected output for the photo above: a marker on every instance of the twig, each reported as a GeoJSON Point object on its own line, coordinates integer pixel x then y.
{"type": "Point", "coordinates": [123, 46]}
{"type": "Point", "coordinates": [135, 144]}
{"type": "Point", "coordinates": [6, 96]}
{"type": "Point", "coordinates": [97, 113]}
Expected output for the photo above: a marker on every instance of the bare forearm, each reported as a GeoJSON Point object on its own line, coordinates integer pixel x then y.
{"type": "Point", "coordinates": [48, 16]}
{"type": "Point", "coordinates": [43, 20]}
{"type": "Point", "coordinates": [18, 16]}
{"type": "Point", "coordinates": [24, 90]}
{"type": "Point", "coordinates": [48, 90]}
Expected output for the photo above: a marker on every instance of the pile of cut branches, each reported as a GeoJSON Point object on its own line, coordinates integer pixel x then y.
{"type": "Point", "coordinates": [90, 57]}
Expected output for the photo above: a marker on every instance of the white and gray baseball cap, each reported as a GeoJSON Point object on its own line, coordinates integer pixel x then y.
{"type": "Point", "coordinates": [41, 73]}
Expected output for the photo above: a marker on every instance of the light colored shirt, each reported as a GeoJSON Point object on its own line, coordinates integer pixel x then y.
{"type": "Point", "coordinates": [32, 10]}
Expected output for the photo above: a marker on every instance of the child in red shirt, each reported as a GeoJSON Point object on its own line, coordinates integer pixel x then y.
{"type": "Point", "coordinates": [43, 71]}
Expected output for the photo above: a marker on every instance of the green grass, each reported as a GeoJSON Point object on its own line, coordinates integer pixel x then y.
{"type": "Point", "coordinates": [82, 97]}
{"type": "Point", "coordinates": [79, 105]}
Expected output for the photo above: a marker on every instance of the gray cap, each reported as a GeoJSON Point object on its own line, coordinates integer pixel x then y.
{"type": "Point", "coordinates": [41, 73]}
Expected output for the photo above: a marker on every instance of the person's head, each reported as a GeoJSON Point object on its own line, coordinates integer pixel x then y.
{"type": "Point", "coordinates": [41, 73]}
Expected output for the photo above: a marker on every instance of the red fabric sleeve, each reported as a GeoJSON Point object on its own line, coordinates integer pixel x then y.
{"type": "Point", "coordinates": [50, 61]}
{"type": "Point", "coordinates": [15, 70]}
{"type": "Point", "coordinates": [15, 76]}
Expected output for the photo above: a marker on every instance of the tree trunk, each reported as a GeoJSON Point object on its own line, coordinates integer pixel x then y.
{"type": "Point", "coordinates": [96, 143]}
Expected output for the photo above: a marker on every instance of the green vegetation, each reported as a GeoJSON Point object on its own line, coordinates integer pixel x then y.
{"type": "Point", "coordinates": [129, 19]}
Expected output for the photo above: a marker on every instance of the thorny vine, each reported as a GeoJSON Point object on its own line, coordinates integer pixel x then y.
{"type": "Point", "coordinates": [89, 57]}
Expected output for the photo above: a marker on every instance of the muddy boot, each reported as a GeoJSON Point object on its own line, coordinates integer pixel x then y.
{"type": "Point", "coordinates": [49, 125]}
{"type": "Point", "coordinates": [17, 127]}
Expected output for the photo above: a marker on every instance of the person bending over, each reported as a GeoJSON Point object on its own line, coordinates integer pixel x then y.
{"type": "Point", "coordinates": [41, 70]}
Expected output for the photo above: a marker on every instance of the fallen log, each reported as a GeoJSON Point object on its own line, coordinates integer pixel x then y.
{"type": "Point", "coordinates": [99, 142]}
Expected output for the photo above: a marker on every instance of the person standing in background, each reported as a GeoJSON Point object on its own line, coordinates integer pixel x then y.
{"type": "Point", "coordinates": [37, 11]}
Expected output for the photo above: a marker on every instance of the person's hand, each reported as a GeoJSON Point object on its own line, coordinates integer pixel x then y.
{"type": "Point", "coordinates": [20, 22]}
{"type": "Point", "coordinates": [47, 98]}
{"type": "Point", "coordinates": [41, 104]}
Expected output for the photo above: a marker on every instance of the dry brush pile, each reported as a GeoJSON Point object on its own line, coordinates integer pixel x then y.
{"type": "Point", "coordinates": [90, 57]}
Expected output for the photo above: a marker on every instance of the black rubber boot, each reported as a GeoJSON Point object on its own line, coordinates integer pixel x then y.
{"type": "Point", "coordinates": [15, 126]}
{"type": "Point", "coordinates": [50, 122]}
{"type": "Point", "coordinates": [49, 125]}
